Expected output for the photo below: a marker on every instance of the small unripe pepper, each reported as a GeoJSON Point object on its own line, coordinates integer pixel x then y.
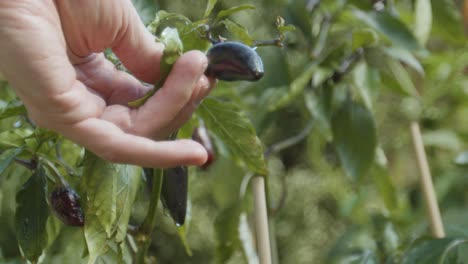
{"type": "Point", "coordinates": [65, 203]}
{"type": "Point", "coordinates": [234, 61]}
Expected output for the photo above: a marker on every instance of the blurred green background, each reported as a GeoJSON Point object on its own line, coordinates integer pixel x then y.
{"type": "Point", "coordinates": [414, 67]}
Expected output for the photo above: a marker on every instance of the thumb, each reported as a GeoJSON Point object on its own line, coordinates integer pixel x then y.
{"type": "Point", "coordinates": [137, 48]}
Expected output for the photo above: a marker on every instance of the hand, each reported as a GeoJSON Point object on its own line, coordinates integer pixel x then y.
{"type": "Point", "coordinates": [51, 53]}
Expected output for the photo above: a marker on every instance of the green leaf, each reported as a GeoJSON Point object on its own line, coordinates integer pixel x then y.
{"type": "Point", "coordinates": [110, 193]}
{"type": "Point", "coordinates": [238, 31]}
{"type": "Point", "coordinates": [227, 12]}
{"type": "Point", "coordinates": [443, 138]}
{"type": "Point", "coordinates": [14, 138]}
{"type": "Point", "coordinates": [164, 19]}
{"type": "Point", "coordinates": [391, 27]}
{"type": "Point", "coordinates": [382, 180]}
{"type": "Point", "coordinates": [31, 216]}
{"type": "Point", "coordinates": [172, 50]}
{"type": "Point", "coordinates": [228, 122]}
{"type": "Point", "coordinates": [447, 22]}
{"type": "Point", "coordinates": [366, 81]}
{"type": "Point", "coordinates": [319, 108]}
{"type": "Point", "coordinates": [354, 136]}
{"type": "Point", "coordinates": [227, 235]}
{"type": "Point", "coordinates": [462, 159]}
{"type": "Point", "coordinates": [209, 8]}
{"type": "Point", "coordinates": [14, 108]}
{"type": "Point", "coordinates": [286, 28]}
{"type": "Point", "coordinates": [423, 20]}
{"type": "Point", "coordinates": [7, 157]}
{"type": "Point", "coordinates": [404, 56]}
{"type": "Point", "coordinates": [402, 78]}
{"type": "Point", "coordinates": [296, 88]}
{"type": "Point", "coordinates": [432, 251]}
{"type": "Point", "coordinates": [127, 185]}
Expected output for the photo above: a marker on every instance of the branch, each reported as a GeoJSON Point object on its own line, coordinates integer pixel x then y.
{"type": "Point", "coordinates": [289, 142]}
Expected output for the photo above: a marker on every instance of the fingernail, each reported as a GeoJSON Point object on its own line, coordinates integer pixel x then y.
{"type": "Point", "coordinates": [203, 82]}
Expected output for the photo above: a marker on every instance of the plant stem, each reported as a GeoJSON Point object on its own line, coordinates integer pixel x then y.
{"type": "Point", "coordinates": [261, 220]}
{"type": "Point", "coordinates": [289, 142]}
{"type": "Point", "coordinates": [435, 219]}
{"type": "Point", "coordinates": [146, 229]}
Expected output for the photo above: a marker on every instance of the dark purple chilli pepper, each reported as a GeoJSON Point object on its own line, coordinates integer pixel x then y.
{"type": "Point", "coordinates": [174, 191]}
{"type": "Point", "coordinates": [65, 203]}
{"type": "Point", "coordinates": [234, 61]}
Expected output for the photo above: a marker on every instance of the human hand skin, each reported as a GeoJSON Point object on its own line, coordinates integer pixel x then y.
{"type": "Point", "coordinates": [51, 53]}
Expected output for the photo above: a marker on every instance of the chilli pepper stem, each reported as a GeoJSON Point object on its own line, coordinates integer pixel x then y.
{"type": "Point", "coordinates": [146, 229]}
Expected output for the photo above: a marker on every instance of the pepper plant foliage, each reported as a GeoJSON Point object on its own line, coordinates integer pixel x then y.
{"type": "Point", "coordinates": [327, 127]}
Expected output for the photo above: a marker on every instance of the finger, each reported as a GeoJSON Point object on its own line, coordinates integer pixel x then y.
{"type": "Point", "coordinates": [137, 48]}
{"type": "Point", "coordinates": [203, 88]}
{"type": "Point", "coordinates": [111, 143]}
{"type": "Point", "coordinates": [206, 84]}
{"type": "Point", "coordinates": [115, 86]}
{"type": "Point", "coordinates": [173, 96]}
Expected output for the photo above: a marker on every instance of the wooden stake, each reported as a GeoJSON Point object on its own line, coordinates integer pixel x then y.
{"type": "Point", "coordinates": [435, 220]}
{"type": "Point", "coordinates": [261, 220]}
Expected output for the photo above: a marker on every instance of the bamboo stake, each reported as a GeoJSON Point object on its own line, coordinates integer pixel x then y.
{"type": "Point", "coordinates": [435, 220]}
{"type": "Point", "coordinates": [261, 220]}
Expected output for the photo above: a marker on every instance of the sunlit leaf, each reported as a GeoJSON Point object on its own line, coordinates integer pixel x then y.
{"type": "Point", "coordinates": [225, 13]}
{"type": "Point", "coordinates": [164, 19]}
{"type": "Point", "coordinates": [172, 50]}
{"type": "Point", "coordinates": [209, 7]}
{"type": "Point", "coordinates": [239, 32]}
{"type": "Point", "coordinates": [14, 138]}
{"type": "Point", "coordinates": [402, 78]}
{"type": "Point", "coordinates": [31, 216]}
{"type": "Point", "coordinates": [127, 185]}
{"type": "Point", "coordinates": [423, 20]}
{"type": "Point", "coordinates": [286, 28]}
{"type": "Point", "coordinates": [364, 37]}
{"type": "Point", "coordinates": [354, 136]}
{"type": "Point", "coordinates": [172, 47]}
{"type": "Point", "coordinates": [228, 122]}
{"type": "Point", "coordinates": [390, 26]}
{"type": "Point", "coordinates": [110, 192]}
